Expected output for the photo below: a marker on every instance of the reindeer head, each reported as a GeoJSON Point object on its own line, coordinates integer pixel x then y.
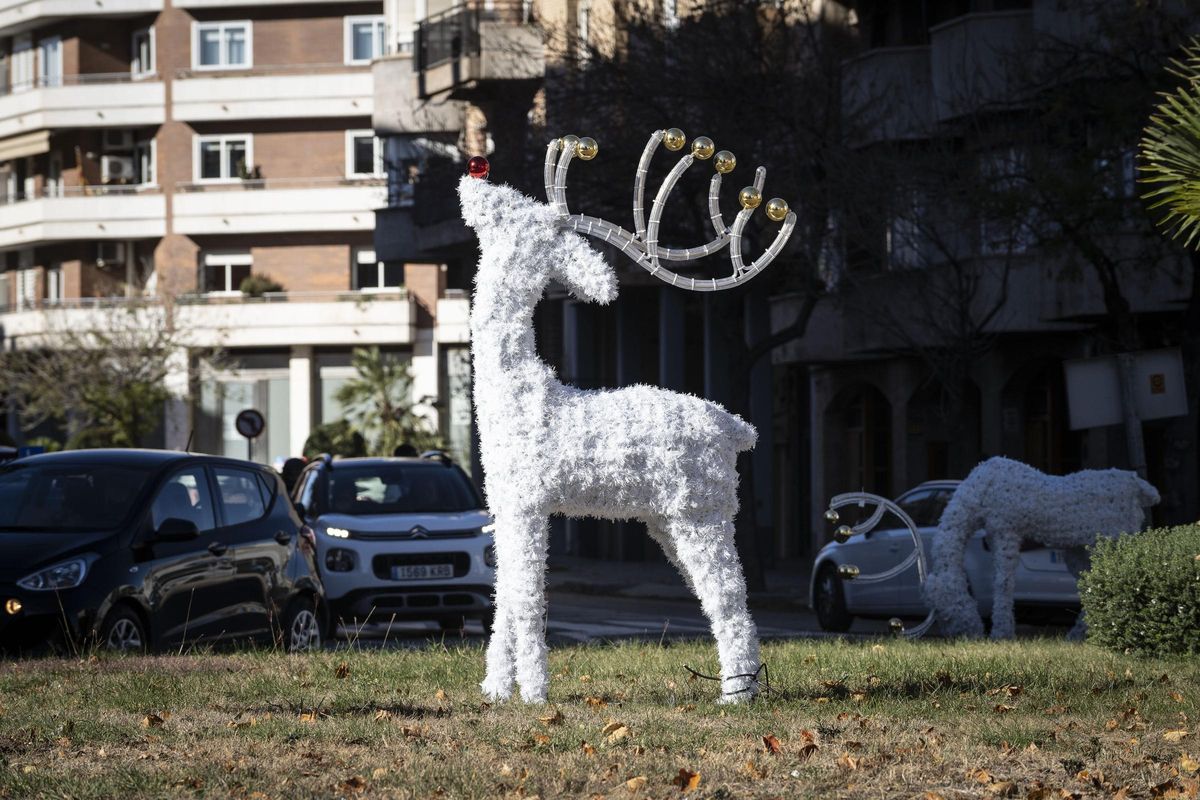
{"type": "Point", "coordinates": [503, 217]}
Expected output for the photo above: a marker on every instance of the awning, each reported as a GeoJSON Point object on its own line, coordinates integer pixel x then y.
{"type": "Point", "coordinates": [28, 144]}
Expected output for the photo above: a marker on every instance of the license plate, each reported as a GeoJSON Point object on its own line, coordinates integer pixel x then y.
{"type": "Point", "coordinates": [421, 572]}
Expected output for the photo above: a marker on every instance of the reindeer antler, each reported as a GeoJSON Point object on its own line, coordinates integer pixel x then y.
{"type": "Point", "coordinates": [642, 245]}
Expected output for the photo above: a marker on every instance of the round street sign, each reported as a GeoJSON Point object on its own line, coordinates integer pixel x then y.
{"type": "Point", "coordinates": [250, 423]}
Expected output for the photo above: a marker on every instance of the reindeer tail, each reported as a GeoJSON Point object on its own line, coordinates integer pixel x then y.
{"type": "Point", "coordinates": [946, 590]}
{"type": "Point", "coordinates": [1147, 494]}
{"type": "Point", "coordinates": [741, 433]}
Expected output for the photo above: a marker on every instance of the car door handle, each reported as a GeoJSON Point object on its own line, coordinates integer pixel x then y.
{"type": "Point", "coordinates": [218, 549]}
{"type": "Point", "coordinates": [283, 537]}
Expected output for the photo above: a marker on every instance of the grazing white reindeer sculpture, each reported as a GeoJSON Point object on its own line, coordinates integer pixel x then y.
{"type": "Point", "coordinates": [639, 452]}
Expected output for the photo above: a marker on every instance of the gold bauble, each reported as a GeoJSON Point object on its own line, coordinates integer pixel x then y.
{"type": "Point", "coordinates": [896, 624]}
{"type": "Point", "coordinates": [831, 516]}
{"type": "Point", "coordinates": [843, 533]}
{"type": "Point", "coordinates": [587, 149]}
{"type": "Point", "coordinates": [673, 139]}
{"type": "Point", "coordinates": [777, 209]}
{"type": "Point", "coordinates": [725, 161]}
{"type": "Point", "coordinates": [569, 141]}
{"type": "Point", "coordinates": [848, 571]}
{"type": "Point", "coordinates": [703, 147]}
{"type": "Point", "coordinates": [749, 197]}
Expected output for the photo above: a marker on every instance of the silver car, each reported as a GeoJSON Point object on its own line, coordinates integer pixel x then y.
{"type": "Point", "coordinates": [399, 539]}
{"type": "Point", "coordinates": [1045, 588]}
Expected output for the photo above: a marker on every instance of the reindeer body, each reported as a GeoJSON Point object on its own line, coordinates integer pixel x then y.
{"type": "Point", "coordinates": [547, 448]}
{"type": "Point", "coordinates": [1013, 502]}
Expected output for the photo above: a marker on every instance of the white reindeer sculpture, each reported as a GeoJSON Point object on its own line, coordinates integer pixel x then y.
{"type": "Point", "coordinates": [1012, 502]}
{"type": "Point", "coordinates": [640, 452]}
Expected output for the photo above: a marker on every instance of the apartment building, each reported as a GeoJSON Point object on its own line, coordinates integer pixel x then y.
{"type": "Point", "coordinates": [166, 151]}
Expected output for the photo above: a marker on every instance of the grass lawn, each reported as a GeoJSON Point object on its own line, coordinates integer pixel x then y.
{"type": "Point", "coordinates": [1029, 719]}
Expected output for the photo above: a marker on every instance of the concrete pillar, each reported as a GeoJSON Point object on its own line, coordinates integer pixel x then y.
{"type": "Point", "coordinates": [300, 390]}
{"type": "Point", "coordinates": [425, 383]}
{"type": "Point", "coordinates": [817, 398]}
{"type": "Point", "coordinates": [177, 410]}
{"type": "Point", "coordinates": [671, 351]}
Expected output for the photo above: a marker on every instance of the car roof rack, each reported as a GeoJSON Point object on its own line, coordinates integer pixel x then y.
{"type": "Point", "coordinates": [438, 455]}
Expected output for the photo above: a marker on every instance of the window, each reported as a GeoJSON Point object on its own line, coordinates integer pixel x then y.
{"type": "Point", "coordinates": [364, 39]}
{"type": "Point", "coordinates": [22, 62]}
{"type": "Point", "coordinates": [142, 63]}
{"type": "Point", "coordinates": [143, 161]}
{"type": "Point", "coordinates": [185, 496]}
{"type": "Point", "coordinates": [364, 154]}
{"type": "Point", "coordinates": [222, 158]}
{"type": "Point", "coordinates": [583, 21]}
{"type": "Point", "coordinates": [54, 284]}
{"type": "Point", "coordinates": [26, 287]}
{"type": "Point", "coordinates": [224, 272]}
{"type": "Point", "coordinates": [670, 14]}
{"type": "Point", "coordinates": [241, 494]}
{"type": "Point", "coordinates": [50, 68]}
{"type": "Point", "coordinates": [221, 45]}
{"type": "Point", "coordinates": [372, 275]}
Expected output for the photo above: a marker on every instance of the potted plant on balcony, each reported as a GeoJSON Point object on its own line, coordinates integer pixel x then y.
{"type": "Point", "coordinates": [258, 285]}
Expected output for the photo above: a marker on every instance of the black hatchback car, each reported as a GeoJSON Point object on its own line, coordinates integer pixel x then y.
{"type": "Point", "coordinates": [134, 549]}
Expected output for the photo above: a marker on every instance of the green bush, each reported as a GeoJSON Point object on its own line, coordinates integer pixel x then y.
{"type": "Point", "coordinates": [1143, 592]}
{"type": "Point", "coordinates": [255, 285]}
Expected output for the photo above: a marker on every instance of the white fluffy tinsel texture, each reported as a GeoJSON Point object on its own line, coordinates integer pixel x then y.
{"type": "Point", "coordinates": [1011, 502]}
{"type": "Point", "coordinates": [547, 448]}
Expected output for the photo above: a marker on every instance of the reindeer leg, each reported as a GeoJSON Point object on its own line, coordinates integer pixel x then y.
{"type": "Point", "coordinates": [706, 550]}
{"type": "Point", "coordinates": [1006, 553]}
{"type": "Point", "coordinates": [501, 663]}
{"type": "Point", "coordinates": [526, 598]}
{"type": "Point", "coordinates": [657, 530]}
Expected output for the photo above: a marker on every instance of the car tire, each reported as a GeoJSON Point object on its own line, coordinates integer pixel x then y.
{"type": "Point", "coordinates": [829, 601]}
{"type": "Point", "coordinates": [489, 621]}
{"type": "Point", "coordinates": [123, 632]}
{"type": "Point", "coordinates": [301, 631]}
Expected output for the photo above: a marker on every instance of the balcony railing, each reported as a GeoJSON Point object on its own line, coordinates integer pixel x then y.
{"type": "Point", "coordinates": [90, 190]}
{"type": "Point", "coordinates": [257, 70]}
{"type": "Point", "coordinates": [454, 33]}
{"type": "Point", "coordinates": [252, 184]}
{"type": "Point", "coordinates": [82, 79]}
{"type": "Point", "coordinates": [199, 298]}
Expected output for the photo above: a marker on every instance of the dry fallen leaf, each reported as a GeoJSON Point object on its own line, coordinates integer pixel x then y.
{"type": "Point", "coordinates": [152, 721]}
{"type": "Point", "coordinates": [1001, 708]}
{"type": "Point", "coordinates": [541, 738]}
{"type": "Point", "coordinates": [343, 671]}
{"type": "Point", "coordinates": [596, 702]}
{"type": "Point", "coordinates": [440, 694]}
{"type": "Point", "coordinates": [354, 784]}
{"type": "Point", "coordinates": [308, 717]}
{"type": "Point", "coordinates": [1188, 764]}
{"type": "Point", "coordinates": [587, 749]}
{"type": "Point", "coordinates": [932, 796]}
{"type": "Point", "coordinates": [687, 780]}
{"type": "Point", "coordinates": [1177, 735]}
{"type": "Point", "coordinates": [635, 783]}
{"type": "Point", "coordinates": [772, 744]}
{"type": "Point", "coordinates": [614, 732]}
{"type": "Point", "coordinates": [555, 717]}
{"type": "Point", "coordinates": [382, 715]}
{"type": "Point", "coordinates": [847, 761]}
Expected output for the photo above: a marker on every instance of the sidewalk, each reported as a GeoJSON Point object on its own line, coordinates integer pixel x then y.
{"type": "Point", "coordinates": [787, 580]}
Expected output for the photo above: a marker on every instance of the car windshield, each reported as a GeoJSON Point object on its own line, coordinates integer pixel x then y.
{"type": "Point", "coordinates": [400, 488]}
{"type": "Point", "coordinates": [925, 506]}
{"type": "Point", "coordinates": [58, 498]}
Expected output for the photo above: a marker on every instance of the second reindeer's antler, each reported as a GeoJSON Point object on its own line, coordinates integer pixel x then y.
{"type": "Point", "coordinates": [642, 245]}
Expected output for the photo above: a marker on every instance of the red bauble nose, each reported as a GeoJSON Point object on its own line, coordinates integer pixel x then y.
{"type": "Point", "coordinates": [478, 167]}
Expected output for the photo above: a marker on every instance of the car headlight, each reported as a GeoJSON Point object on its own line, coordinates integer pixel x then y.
{"type": "Point", "coordinates": [489, 529]}
{"type": "Point", "coordinates": [338, 533]}
{"type": "Point", "coordinates": [66, 575]}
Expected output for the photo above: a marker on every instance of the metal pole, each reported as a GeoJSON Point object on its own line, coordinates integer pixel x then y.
{"type": "Point", "coordinates": [1133, 425]}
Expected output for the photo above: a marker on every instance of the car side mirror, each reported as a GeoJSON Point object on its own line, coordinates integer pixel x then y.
{"type": "Point", "coordinates": [174, 529]}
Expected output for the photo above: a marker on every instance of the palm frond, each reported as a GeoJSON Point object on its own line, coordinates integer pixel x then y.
{"type": "Point", "coordinates": [1170, 153]}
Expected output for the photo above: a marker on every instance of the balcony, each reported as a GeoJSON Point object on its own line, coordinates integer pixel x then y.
{"type": "Point", "coordinates": [397, 109]}
{"type": "Point", "coordinates": [302, 91]}
{"type": "Point", "coordinates": [95, 100]}
{"type": "Point", "coordinates": [277, 319]}
{"type": "Point", "coordinates": [20, 15]}
{"type": "Point", "coordinates": [460, 50]}
{"type": "Point", "coordinates": [84, 212]}
{"type": "Point", "coordinates": [887, 95]}
{"type": "Point", "coordinates": [976, 61]}
{"type": "Point", "coordinates": [278, 205]}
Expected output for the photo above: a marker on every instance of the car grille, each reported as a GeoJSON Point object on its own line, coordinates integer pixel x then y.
{"type": "Point", "coordinates": [382, 565]}
{"type": "Point", "coordinates": [423, 533]}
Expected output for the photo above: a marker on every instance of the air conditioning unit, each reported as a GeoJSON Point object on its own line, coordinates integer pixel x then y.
{"type": "Point", "coordinates": [117, 139]}
{"type": "Point", "coordinates": [110, 254]}
{"type": "Point", "coordinates": [116, 169]}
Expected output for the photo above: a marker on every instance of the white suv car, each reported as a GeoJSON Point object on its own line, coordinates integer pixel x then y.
{"type": "Point", "coordinates": [399, 539]}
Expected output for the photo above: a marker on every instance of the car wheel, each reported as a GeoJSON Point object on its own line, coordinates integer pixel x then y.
{"type": "Point", "coordinates": [489, 621]}
{"type": "Point", "coordinates": [301, 627]}
{"type": "Point", "coordinates": [123, 632]}
{"type": "Point", "coordinates": [829, 601]}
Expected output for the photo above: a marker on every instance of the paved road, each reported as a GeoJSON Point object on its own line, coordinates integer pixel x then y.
{"type": "Point", "coordinates": [581, 618]}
